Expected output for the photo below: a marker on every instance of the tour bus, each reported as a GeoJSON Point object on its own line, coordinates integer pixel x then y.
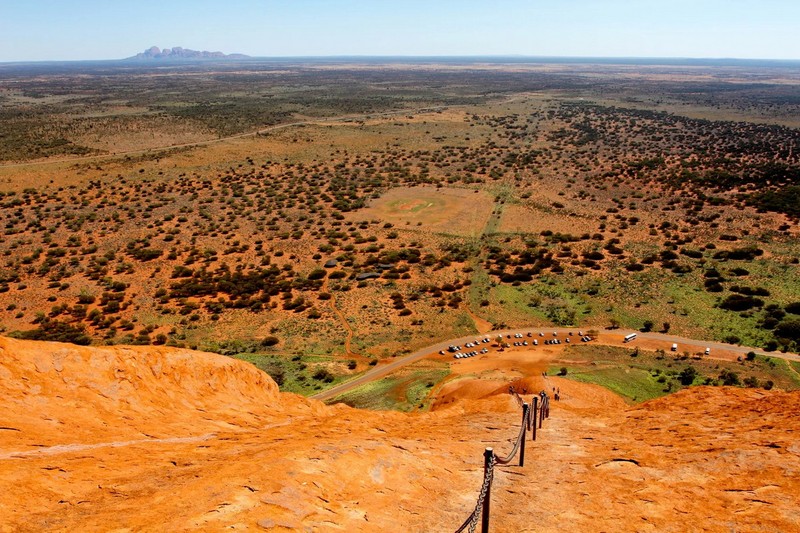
{"type": "Point", "coordinates": [629, 338]}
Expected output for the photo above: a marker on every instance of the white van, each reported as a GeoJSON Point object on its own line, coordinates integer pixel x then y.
{"type": "Point", "coordinates": [674, 347]}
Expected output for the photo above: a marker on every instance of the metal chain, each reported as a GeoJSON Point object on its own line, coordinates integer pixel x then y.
{"type": "Point", "coordinates": [487, 482]}
{"type": "Point", "coordinates": [472, 522]}
{"type": "Point", "coordinates": [517, 397]}
{"type": "Point", "coordinates": [510, 457]}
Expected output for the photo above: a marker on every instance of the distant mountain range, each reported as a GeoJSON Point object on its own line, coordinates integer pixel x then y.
{"type": "Point", "coordinates": [178, 53]}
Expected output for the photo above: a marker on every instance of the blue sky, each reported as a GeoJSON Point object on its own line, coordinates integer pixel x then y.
{"type": "Point", "coordinates": [32, 30]}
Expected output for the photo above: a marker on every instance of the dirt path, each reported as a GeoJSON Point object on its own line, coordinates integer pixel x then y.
{"type": "Point", "coordinates": [343, 319]}
{"type": "Point", "coordinates": [483, 326]}
{"type": "Point", "coordinates": [792, 369]}
{"type": "Point", "coordinates": [345, 324]}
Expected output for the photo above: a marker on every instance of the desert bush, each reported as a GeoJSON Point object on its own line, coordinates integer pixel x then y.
{"type": "Point", "coordinates": [270, 341]}
{"type": "Point", "coordinates": [793, 308]}
{"type": "Point", "coordinates": [788, 329]}
{"type": "Point", "coordinates": [729, 378]}
{"type": "Point", "coordinates": [737, 302]}
{"type": "Point", "coordinates": [687, 375]}
{"type": "Point", "coordinates": [53, 330]}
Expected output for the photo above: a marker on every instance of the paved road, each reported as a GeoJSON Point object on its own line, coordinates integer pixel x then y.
{"type": "Point", "coordinates": [399, 362]}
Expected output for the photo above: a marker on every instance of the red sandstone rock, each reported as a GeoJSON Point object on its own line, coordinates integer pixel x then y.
{"type": "Point", "coordinates": [158, 439]}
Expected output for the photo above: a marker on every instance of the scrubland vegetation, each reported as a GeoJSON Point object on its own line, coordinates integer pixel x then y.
{"type": "Point", "coordinates": [640, 375]}
{"type": "Point", "coordinates": [520, 196]}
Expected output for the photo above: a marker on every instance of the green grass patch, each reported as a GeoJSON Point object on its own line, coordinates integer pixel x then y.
{"type": "Point", "coordinates": [633, 384]}
{"type": "Point", "coordinates": [406, 390]}
{"type": "Point", "coordinates": [306, 375]}
{"type": "Point", "coordinates": [642, 375]}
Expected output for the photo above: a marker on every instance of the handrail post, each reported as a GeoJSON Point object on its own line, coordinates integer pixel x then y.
{"type": "Point", "coordinates": [533, 417]}
{"type": "Point", "coordinates": [541, 411]}
{"type": "Point", "coordinates": [525, 421]}
{"type": "Point", "coordinates": [488, 457]}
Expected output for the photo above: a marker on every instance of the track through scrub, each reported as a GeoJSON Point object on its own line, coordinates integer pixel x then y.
{"type": "Point", "coordinates": [343, 319]}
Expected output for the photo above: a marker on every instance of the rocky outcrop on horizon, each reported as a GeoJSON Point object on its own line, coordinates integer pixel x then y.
{"type": "Point", "coordinates": [155, 53]}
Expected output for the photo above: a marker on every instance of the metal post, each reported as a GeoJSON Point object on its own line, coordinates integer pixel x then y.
{"type": "Point", "coordinates": [541, 411]}
{"type": "Point", "coordinates": [533, 417]}
{"type": "Point", "coordinates": [488, 457]}
{"type": "Point", "coordinates": [525, 421]}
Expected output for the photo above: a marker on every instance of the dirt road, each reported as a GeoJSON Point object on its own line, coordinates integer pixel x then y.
{"type": "Point", "coordinates": [614, 337]}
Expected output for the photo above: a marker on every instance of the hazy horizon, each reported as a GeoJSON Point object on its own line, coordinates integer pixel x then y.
{"type": "Point", "coordinates": [42, 30]}
{"type": "Point", "coordinates": [497, 58]}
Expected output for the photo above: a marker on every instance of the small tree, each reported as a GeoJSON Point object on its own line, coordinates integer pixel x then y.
{"type": "Point", "coordinates": [751, 381]}
{"type": "Point", "coordinates": [647, 326]}
{"type": "Point", "coordinates": [729, 378]}
{"type": "Point", "coordinates": [687, 375]}
{"type": "Point", "coordinates": [270, 341]}
{"type": "Point", "coordinates": [665, 327]}
{"type": "Point", "coordinates": [562, 371]}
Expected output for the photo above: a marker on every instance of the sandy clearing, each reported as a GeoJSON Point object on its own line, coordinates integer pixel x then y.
{"type": "Point", "coordinates": [441, 210]}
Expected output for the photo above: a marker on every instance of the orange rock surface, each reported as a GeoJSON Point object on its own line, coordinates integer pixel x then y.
{"type": "Point", "coordinates": [159, 439]}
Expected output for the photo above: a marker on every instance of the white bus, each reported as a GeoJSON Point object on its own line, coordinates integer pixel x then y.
{"type": "Point", "coordinates": [629, 338]}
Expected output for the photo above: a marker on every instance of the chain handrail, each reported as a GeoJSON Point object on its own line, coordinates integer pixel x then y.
{"type": "Point", "coordinates": [529, 420]}
{"type": "Point", "coordinates": [520, 438]}
{"type": "Point", "coordinates": [472, 521]}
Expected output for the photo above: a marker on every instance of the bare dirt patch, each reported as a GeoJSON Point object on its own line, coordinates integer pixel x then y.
{"type": "Point", "coordinates": [493, 373]}
{"type": "Point", "coordinates": [537, 217]}
{"type": "Point", "coordinates": [446, 210]}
